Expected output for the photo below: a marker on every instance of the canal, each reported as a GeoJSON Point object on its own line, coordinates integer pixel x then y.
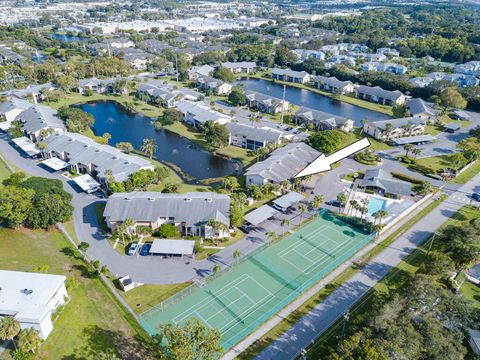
{"type": "Point", "coordinates": [113, 118]}
{"type": "Point", "coordinates": [303, 97]}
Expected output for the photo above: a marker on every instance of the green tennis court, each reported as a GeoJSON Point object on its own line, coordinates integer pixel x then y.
{"type": "Point", "coordinates": [250, 293]}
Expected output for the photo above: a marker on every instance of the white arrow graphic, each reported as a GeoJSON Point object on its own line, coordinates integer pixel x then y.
{"type": "Point", "coordinates": [324, 163]}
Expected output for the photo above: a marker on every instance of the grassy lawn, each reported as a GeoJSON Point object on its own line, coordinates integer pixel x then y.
{"type": "Point", "coordinates": [140, 106]}
{"type": "Point", "coordinates": [4, 171]}
{"type": "Point", "coordinates": [144, 297]}
{"type": "Point", "coordinates": [283, 326]}
{"type": "Point", "coordinates": [93, 324]}
{"type": "Point", "coordinates": [466, 175]}
{"type": "Point", "coordinates": [471, 292]}
{"type": "Point", "coordinates": [355, 135]}
{"type": "Point", "coordinates": [436, 162]}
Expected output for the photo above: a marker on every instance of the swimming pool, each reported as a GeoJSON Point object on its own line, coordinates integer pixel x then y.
{"type": "Point", "coordinates": [375, 205]}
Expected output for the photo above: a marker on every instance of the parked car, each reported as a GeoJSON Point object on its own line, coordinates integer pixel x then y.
{"type": "Point", "coordinates": [334, 203]}
{"type": "Point", "coordinates": [145, 250]}
{"type": "Point", "coordinates": [132, 249]}
{"type": "Point", "coordinates": [476, 196]}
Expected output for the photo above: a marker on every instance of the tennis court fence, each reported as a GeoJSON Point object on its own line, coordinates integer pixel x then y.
{"type": "Point", "coordinates": [295, 285]}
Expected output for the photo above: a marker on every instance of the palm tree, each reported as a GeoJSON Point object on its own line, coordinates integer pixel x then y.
{"type": "Point", "coordinates": [216, 269]}
{"type": "Point", "coordinates": [284, 222]}
{"type": "Point", "coordinates": [129, 223]}
{"type": "Point", "coordinates": [317, 202]}
{"type": "Point", "coordinates": [9, 328]}
{"type": "Point", "coordinates": [388, 129]}
{"type": "Point", "coordinates": [237, 254]}
{"type": "Point", "coordinates": [29, 340]}
{"type": "Point", "coordinates": [380, 215]}
{"type": "Point", "coordinates": [416, 152]}
{"type": "Point", "coordinates": [342, 199]}
{"type": "Point", "coordinates": [363, 208]}
{"type": "Point", "coordinates": [363, 122]}
{"type": "Point", "coordinates": [149, 146]}
{"type": "Point", "coordinates": [353, 206]}
{"type": "Point", "coordinates": [285, 184]}
{"type": "Point", "coordinates": [303, 208]}
{"type": "Point", "coordinates": [407, 148]}
{"type": "Point", "coordinates": [270, 236]}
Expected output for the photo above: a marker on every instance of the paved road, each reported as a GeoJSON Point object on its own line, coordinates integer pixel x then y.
{"type": "Point", "coordinates": [319, 319]}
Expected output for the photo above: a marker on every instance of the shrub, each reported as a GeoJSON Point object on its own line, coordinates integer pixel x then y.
{"type": "Point", "coordinates": [168, 231]}
{"type": "Point", "coordinates": [422, 168]}
{"type": "Point", "coordinates": [407, 178]}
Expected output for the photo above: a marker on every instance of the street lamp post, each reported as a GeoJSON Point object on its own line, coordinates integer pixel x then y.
{"type": "Point", "coordinates": [346, 316]}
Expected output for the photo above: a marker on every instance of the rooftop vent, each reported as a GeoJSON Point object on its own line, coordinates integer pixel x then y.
{"type": "Point", "coordinates": [209, 200]}
{"type": "Point", "coordinates": [188, 199]}
{"type": "Point", "coordinates": [26, 291]}
{"type": "Point", "coordinates": [151, 199]}
{"type": "Point", "coordinates": [128, 198]}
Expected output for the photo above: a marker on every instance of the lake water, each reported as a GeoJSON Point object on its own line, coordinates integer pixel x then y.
{"type": "Point", "coordinates": [302, 97]}
{"type": "Point", "coordinates": [133, 128]}
{"type": "Point", "coordinates": [66, 38]}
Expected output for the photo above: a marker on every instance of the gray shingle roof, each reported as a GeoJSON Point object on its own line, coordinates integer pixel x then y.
{"type": "Point", "coordinates": [332, 81]}
{"type": "Point", "coordinates": [284, 163]}
{"type": "Point", "coordinates": [190, 208]}
{"type": "Point", "coordinates": [14, 103]}
{"type": "Point", "coordinates": [289, 72]}
{"type": "Point", "coordinates": [319, 117]}
{"type": "Point", "coordinates": [380, 179]}
{"type": "Point", "coordinates": [242, 64]}
{"type": "Point", "coordinates": [262, 98]}
{"type": "Point", "coordinates": [398, 123]}
{"type": "Point", "coordinates": [83, 150]}
{"type": "Point", "coordinates": [39, 117]}
{"type": "Point", "coordinates": [379, 92]}
{"type": "Point", "coordinates": [261, 134]}
{"type": "Point", "coordinates": [418, 106]}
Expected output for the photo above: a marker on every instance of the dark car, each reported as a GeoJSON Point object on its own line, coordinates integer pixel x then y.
{"type": "Point", "coordinates": [476, 196]}
{"type": "Point", "coordinates": [334, 203]}
{"type": "Point", "coordinates": [145, 250]}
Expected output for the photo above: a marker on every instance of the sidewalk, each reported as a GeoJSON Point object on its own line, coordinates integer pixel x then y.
{"type": "Point", "coordinates": [289, 309]}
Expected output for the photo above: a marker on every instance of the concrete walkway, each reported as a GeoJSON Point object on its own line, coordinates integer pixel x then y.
{"type": "Point", "coordinates": [322, 316]}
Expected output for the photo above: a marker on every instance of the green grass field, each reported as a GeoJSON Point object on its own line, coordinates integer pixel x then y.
{"type": "Point", "coordinates": [249, 294]}
{"type": "Point", "coordinates": [93, 324]}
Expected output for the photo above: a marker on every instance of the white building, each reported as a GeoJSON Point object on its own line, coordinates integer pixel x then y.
{"type": "Point", "coordinates": [32, 298]}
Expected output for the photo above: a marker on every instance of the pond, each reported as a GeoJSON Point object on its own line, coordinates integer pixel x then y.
{"type": "Point", "coordinates": [66, 38]}
{"type": "Point", "coordinates": [303, 97]}
{"type": "Point", "coordinates": [113, 118]}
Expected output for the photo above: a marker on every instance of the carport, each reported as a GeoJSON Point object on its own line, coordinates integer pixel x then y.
{"type": "Point", "coordinates": [55, 164]}
{"type": "Point", "coordinates": [258, 216]}
{"type": "Point", "coordinates": [287, 200]}
{"type": "Point", "coordinates": [86, 183]}
{"type": "Point", "coordinates": [27, 146]}
{"type": "Point", "coordinates": [172, 247]}
{"type": "Point", "coordinates": [414, 139]}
